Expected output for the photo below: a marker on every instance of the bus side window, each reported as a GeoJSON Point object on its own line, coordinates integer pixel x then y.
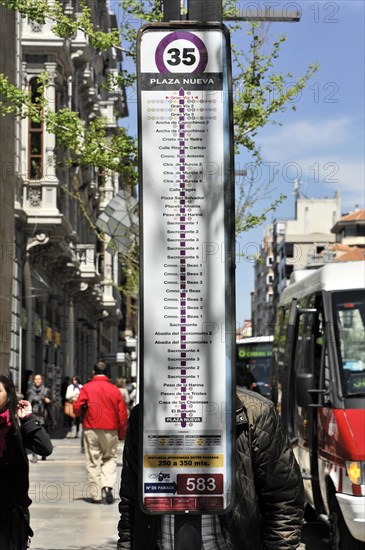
{"type": "Point", "coordinates": [278, 359]}
{"type": "Point", "coordinates": [318, 344]}
{"type": "Point", "coordinates": [305, 356]}
{"type": "Point", "coordinates": [303, 363]}
{"type": "Point", "coordinates": [326, 371]}
{"type": "Point", "coordinates": [318, 338]}
{"type": "Point", "coordinates": [326, 378]}
{"type": "Point", "coordinates": [312, 339]}
{"type": "Point", "coordinates": [280, 335]}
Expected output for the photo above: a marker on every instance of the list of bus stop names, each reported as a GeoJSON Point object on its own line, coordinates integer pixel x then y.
{"type": "Point", "coordinates": [181, 151]}
{"type": "Point", "coordinates": [182, 133]}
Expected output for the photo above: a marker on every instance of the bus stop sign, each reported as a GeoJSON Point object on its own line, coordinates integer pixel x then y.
{"type": "Point", "coordinates": [187, 332]}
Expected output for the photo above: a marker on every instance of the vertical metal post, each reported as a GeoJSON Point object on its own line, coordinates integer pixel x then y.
{"type": "Point", "coordinates": [205, 10]}
{"type": "Point", "coordinates": [171, 10]}
{"type": "Point", "coordinates": [188, 529]}
{"type": "Point", "coordinates": [188, 532]}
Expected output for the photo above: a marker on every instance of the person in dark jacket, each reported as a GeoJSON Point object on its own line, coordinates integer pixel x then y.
{"type": "Point", "coordinates": [40, 398]}
{"type": "Point", "coordinates": [19, 429]}
{"type": "Point", "coordinates": [269, 498]}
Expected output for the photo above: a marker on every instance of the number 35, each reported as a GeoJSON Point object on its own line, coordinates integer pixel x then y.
{"type": "Point", "coordinates": [187, 58]}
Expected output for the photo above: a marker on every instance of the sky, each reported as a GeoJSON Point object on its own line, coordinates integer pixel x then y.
{"type": "Point", "coordinates": [321, 143]}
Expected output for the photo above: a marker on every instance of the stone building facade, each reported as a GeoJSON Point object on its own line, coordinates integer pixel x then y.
{"type": "Point", "coordinates": [290, 245]}
{"type": "Point", "coordinates": [8, 53]}
{"type": "Point", "coordinates": [65, 297]}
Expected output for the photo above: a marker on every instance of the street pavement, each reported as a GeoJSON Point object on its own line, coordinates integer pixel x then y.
{"type": "Point", "coordinates": [62, 517]}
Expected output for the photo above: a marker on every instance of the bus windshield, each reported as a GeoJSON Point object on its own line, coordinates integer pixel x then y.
{"type": "Point", "coordinates": [349, 317]}
{"type": "Point", "coordinates": [253, 363]}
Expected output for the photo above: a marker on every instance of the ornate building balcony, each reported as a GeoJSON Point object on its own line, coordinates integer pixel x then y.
{"type": "Point", "coordinates": [40, 204]}
{"type": "Point", "coordinates": [37, 36]}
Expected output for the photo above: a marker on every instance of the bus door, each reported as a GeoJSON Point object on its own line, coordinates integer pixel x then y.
{"type": "Point", "coordinates": [287, 373]}
{"type": "Point", "coordinates": [309, 356]}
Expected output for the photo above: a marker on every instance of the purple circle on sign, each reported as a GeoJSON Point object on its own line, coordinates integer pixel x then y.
{"type": "Point", "coordinates": [203, 60]}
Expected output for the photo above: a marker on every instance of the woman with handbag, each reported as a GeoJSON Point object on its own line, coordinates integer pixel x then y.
{"type": "Point", "coordinates": [72, 394]}
{"type": "Point", "coordinates": [19, 430]}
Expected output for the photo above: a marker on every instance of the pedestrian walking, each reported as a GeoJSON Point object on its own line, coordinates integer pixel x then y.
{"type": "Point", "coordinates": [40, 399]}
{"type": "Point", "coordinates": [269, 499]}
{"type": "Point", "coordinates": [65, 384]}
{"type": "Point", "coordinates": [104, 422]}
{"type": "Point", "coordinates": [72, 393]}
{"type": "Point", "coordinates": [19, 429]}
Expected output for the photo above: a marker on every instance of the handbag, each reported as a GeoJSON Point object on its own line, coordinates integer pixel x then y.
{"type": "Point", "coordinates": [68, 409]}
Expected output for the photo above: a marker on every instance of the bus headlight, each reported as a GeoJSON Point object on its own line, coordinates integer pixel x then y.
{"type": "Point", "coordinates": [356, 472]}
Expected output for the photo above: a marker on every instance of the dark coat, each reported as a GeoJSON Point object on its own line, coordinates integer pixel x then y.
{"type": "Point", "coordinates": [269, 497]}
{"type": "Point", "coordinates": [41, 410]}
{"type": "Point", "coordinates": [14, 467]}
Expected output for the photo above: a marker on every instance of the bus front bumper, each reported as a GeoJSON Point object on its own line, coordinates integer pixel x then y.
{"type": "Point", "coordinates": [353, 511]}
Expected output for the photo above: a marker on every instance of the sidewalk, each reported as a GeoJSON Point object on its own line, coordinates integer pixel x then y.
{"type": "Point", "coordinates": [61, 516]}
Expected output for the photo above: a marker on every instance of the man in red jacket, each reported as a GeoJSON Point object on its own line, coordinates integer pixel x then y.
{"type": "Point", "coordinates": [105, 421]}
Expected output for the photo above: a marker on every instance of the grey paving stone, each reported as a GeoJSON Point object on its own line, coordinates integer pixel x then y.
{"type": "Point", "coordinates": [62, 517]}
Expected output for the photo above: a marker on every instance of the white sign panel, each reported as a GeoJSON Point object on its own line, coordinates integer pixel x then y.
{"type": "Point", "coordinates": [185, 152]}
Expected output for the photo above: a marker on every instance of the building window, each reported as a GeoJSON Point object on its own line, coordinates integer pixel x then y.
{"type": "Point", "coordinates": [288, 271]}
{"type": "Point", "coordinates": [289, 250]}
{"type": "Point", "coordinates": [35, 137]}
{"type": "Point", "coordinates": [354, 231]}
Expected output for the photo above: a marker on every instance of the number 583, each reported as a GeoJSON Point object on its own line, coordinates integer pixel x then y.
{"type": "Point", "coordinates": [200, 484]}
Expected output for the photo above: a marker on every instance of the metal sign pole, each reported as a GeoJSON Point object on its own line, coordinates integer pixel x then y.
{"type": "Point", "coordinates": [188, 532]}
{"type": "Point", "coordinates": [171, 10]}
{"type": "Point", "coordinates": [205, 11]}
{"type": "Point", "coordinates": [188, 535]}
